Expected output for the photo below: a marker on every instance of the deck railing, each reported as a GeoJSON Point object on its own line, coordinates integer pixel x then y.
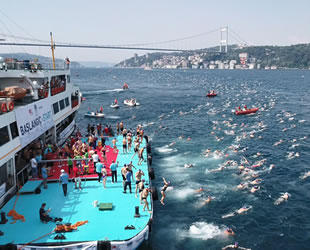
{"type": "Point", "coordinates": [32, 66]}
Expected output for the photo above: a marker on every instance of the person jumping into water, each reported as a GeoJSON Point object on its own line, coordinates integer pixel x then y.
{"type": "Point", "coordinates": [163, 190]}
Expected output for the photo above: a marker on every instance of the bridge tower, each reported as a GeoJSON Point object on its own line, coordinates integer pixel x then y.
{"type": "Point", "coordinates": [224, 40]}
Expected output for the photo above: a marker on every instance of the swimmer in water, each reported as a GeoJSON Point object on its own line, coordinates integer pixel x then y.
{"type": "Point", "coordinates": [217, 169]}
{"type": "Point", "coordinates": [171, 144]}
{"type": "Point", "coordinates": [254, 189]}
{"type": "Point", "coordinates": [256, 181]}
{"type": "Point", "coordinates": [306, 175]}
{"type": "Point", "coordinates": [235, 246]}
{"type": "Point", "coordinates": [163, 190]}
{"type": "Point", "coordinates": [282, 198]}
{"type": "Point", "coordinates": [243, 209]}
{"type": "Point", "coordinates": [272, 166]}
{"type": "Point", "coordinates": [199, 190]}
{"type": "Point", "coordinates": [188, 165]}
{"type": "Point", "coordinates": [208, 200]}
{"type": "Point", "coordinates": [242, 186]}
{"type": "Point", "coordinates": [229, 231]}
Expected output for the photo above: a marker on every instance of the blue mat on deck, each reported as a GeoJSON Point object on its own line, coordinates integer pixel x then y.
{"type": "Point", "coordinates": [30, 187]}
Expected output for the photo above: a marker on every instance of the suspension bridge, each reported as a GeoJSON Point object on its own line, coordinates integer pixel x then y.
{"type": "Point", "coordinates": [152, 46]}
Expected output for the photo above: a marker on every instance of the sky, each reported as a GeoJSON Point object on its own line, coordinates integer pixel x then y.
{"type": "Point", "coordinates": [122, 22]}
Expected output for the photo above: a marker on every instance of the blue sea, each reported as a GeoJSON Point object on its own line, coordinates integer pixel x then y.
{"type": "Point", "coordinates": [182, 124]}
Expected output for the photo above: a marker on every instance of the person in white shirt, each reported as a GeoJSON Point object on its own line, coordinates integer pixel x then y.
{"type": "Point", "coordinates": [34, 167]}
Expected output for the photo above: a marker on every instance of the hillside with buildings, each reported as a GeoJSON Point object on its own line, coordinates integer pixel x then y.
{"type": "Point", "coordinates": [237, 57]}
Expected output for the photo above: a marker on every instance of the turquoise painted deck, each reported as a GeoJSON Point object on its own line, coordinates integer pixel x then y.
{"type": "Point", "coordinates": [78, 206]}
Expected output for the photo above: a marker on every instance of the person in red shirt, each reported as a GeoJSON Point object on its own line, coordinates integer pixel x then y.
{"type": "Point", "coordinates": [77, 172]}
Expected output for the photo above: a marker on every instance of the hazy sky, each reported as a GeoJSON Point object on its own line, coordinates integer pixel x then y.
{"type": "Point", "coordinates": [116, 22]}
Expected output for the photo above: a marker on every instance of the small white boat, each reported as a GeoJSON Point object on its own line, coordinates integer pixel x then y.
{"type": "Point", "coordinates": [114, 105]}
{"type": "Point", "coordinates": [131, 102]}
{"type": "Point", "coordinates": [94, 114]}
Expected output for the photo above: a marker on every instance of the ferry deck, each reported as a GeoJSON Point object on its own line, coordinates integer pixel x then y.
{"type": "Point", "coordinates": [107, 225]}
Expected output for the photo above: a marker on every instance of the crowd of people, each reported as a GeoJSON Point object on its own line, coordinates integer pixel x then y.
{"type": "Point", "coordinates": [88, 155]}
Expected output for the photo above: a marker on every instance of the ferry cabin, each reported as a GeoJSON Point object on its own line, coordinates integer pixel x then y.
{"type": "Point", "coordinates": [37, 103]}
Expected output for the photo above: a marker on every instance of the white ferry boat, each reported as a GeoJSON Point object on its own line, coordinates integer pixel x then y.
{"type": "Point", "coordinates": [37, 103]}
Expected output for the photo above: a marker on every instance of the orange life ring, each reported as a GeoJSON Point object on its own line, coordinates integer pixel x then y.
{"type": "Point", "coordinates": [4, 108]}
{"type": "Point", "coordinates": [11, 106]}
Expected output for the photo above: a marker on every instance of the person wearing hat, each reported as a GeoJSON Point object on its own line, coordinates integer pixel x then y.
{"type": "Point", "coordinates": [63, 179]}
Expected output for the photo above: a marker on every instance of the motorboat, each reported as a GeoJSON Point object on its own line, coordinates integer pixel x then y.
{"type": "Point", "coordinates": [94, 114]}
{"type": "Point", "coordinates": [131, 102]}
{"type": "Point", "coordinates": [211, 94]}
{"type": "Point", "coordinates": [114, 105]}
{"type": "Point", "coordinates": [246, 111]}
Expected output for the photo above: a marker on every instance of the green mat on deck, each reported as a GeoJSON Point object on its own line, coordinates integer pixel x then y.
{"type": "Point", "coordinates": [105, 206]}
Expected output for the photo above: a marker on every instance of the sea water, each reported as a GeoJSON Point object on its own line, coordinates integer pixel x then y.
{"type": "Point", "coordinates": [182, 123]}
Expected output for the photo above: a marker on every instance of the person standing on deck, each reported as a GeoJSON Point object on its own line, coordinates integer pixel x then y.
{"type": "Point", "coordinates": [77, 177]}
{"type": "Point", "coordinates": [63, 179]}
{"type": "Point", "coordinates": [95, 157]}
{"type": "Point", "coordinates": [128, 180]}
{"type": "Point", "coordinates": [104, 176]}
{"type": "Point", "coordinates": [121, 126]}
{"type": "Point", "coordinates": [140, 154]}
{"type": "Point", "coordinates": [44, 176]}
{"type": "Point", "coordinates": [129, 139]}
{"type": "Point", "coordinates": [39, 164]}
{"type": "Point", "coordinates": [124, 145]}
{"type": "Point", "coordinates": [138, 178]}
{"type": "Point", "coordinates": [124, 172]}
{"type": "Point", "coordinates": [113, 168]}
{"type": "Point", "coordinates": [136, 149]}
{"type": "Point", "coordinates": [99, 167]}
{"type": "Point", "coordinates": [70, 164]}
{"type": "Point", "coordinates": [114, 145]}
{"type": "Point", "coordinates": [130, 166]}
{"type": "Point", "coordinates": [117, 128]}
{"type": "Point", "coordinates": [144, 195]}
{"type": "Point", "coordinates": [34, 167]}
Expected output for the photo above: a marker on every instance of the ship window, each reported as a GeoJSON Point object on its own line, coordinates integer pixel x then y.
{"type": "Point", "coordinates": [68, 79]}
{"type": "Point", "coordinates": [67, 101]}
{"type": "Point", "coordinates": [14, 130]}
{"type": "Point", "coordinates": [62, 104]}
{"type": "Point", "coordinates": [4, 135]}
{"type": "Point", "coordinates": [56, 107]}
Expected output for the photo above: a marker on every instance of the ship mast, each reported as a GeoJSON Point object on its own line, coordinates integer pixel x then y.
{"type": "Point", "coordinates": [53, 48]}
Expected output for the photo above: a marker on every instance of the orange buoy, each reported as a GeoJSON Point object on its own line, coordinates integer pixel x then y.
{"type": "Point", "coordinates": [4, 108]}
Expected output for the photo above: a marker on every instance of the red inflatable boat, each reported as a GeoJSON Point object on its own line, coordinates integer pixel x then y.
{"type": "Point", "coordinates": [247, 111]}
{"type": "Point", "coordinates": [211, 94]}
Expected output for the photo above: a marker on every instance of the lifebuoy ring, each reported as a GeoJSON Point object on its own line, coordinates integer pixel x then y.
{"type": "Point", "coordinates": [11, 106]}
{"type": "Point", "coordinates": [4, 108]}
